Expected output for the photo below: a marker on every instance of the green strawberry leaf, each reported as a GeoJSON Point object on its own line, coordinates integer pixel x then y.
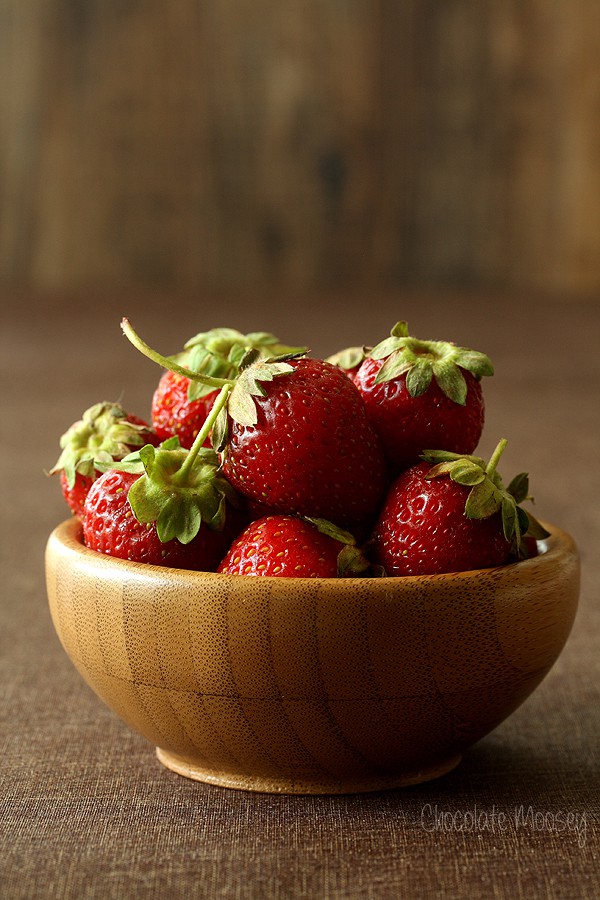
{"type": "Point", "coordinates": [451, 380]}
{"type": "Point", "coordinates": [200, 360]}
{"type": "Point", "coordinates": [394, 366]}
{"type": "Point", "coordinates": [448, 456]}
{"type": "Point", "coordinates": [222, 353]}
{"type": "Point", "coordinates": [488, 495]}
{"type": "Point", "coordinates": [180, 490]}
{"type": "Point", "coordinates": [132, 464]}
{"type": "Point", "coordinates": [483, 501]}
{"type": "Point", "coordinates": [535, 529]}
{"type": "Point", "coordinates": [423, 361]}
{"type": "Point", "coordinates": [241, 405]}
{"type": "Point", "coordinates": [443, 468]}
{"type": "Point", "coordinates": [519, 488]}
{"type": "Point", "coordinates": [400, 329]}
{"type": "Point", "coordinates": [352, 563]}
{"type": "Point", "coordinates": [179, 518]}
{"type": "Point", "coordinates": [466, 472]}
{"type": "Point", "coordinates": [102, 435]}
{"type": "Point", "coordinates": [476, 363]}
{"type": "Point", "coordinates": [331, 530]}
{"type": "Point", "coordinates": [511, 523]}
{"type": "Point", "coordinates": [418, 378]}
{"type": "Point", "coordinates": [348, 359]}
{"type": "Point", "coordinates": [386, 348]}
{"type": "Point", "coordinates": [144, 499]}
{"type": "Point", "coordinates": [220, 431]}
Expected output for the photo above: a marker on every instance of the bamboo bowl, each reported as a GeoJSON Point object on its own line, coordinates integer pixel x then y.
{"type": "Point", "coordinates": [310, 685]}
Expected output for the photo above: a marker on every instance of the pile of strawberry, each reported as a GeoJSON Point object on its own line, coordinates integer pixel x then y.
{"type": "Point", "coordinates": [261, 460]}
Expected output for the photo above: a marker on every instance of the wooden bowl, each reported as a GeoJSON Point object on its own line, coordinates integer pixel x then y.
{"type": "Point", "coordinates": [310, 685]}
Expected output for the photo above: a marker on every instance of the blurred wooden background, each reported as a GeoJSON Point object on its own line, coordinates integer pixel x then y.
{"type": "Point", "coordinates": [235, 144]}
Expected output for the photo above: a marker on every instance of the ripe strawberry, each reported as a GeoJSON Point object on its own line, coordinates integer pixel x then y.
{"type": "Point", "coordinates": [173, 413]}
{"type": "Point", "coordinates": [289, 547]}
{"type": "Point", "coordinates": [423, 394]}
{"type": "Point", "coordinates": [294, 435]}
{"type": "Point", "coordinates": [76, 493]}
{"type": "Point", "coordinates": [452, 517]}
{"type": "Point", "coordinates": [297, 439]}
{"type": "Point", "coordinates": [109, 526]}
{"type": "Point", "coordinates": [166, 505]}
{"type": "Point", "coordinates": [105, 433]}
{"type": "Point", "coordinates": [181, 405]}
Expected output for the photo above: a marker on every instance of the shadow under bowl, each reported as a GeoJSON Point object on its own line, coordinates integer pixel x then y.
{"type": "Point", "coordinates": [310, 685]}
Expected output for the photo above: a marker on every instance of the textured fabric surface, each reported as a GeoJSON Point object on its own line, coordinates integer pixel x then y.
{"type": "Point", "coordinates": [86, 809]}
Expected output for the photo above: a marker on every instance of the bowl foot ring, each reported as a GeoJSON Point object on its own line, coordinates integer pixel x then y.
{"type": "Point", "coordinates": [289, 785]}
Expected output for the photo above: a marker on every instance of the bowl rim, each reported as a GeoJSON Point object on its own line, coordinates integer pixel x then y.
{"type": "Point", "coordinates": [68, 535]}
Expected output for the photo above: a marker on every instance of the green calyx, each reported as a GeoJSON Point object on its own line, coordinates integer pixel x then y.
{"type": "Point", "coordinates": [349, 358]}
{"type": "Point", "coordinates": [180, 489]}
{"type": "Point", "coordinates": [422, 361]}
{"type": "Point", "coordinates": [213, 357]}
{"type": "Point", "coordinates": [488, 494]}
{"type": "Point", "coordinates": [243, 384]}
{"type": "Point", "coordinates": [179, 506]}
{"type": "Point", "coordinates": [220, 353]}
{"type": "Point", "coordinates": [250, 384]}
{"type": "Point", "coordinates": [102, 436]}
{"type": "Point", "coordinates": [351, 561]}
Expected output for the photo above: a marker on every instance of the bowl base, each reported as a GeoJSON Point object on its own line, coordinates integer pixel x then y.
{"type": "Point", "coordinates": [282, 785]}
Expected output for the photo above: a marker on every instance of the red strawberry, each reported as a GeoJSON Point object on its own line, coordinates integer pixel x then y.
{"type": "Point", "coordinates": [452, 517]}
{"type": "Point", "coordinates": [290, 547]}
{"type": "Point", "coordinates": [294, 436]}
{"type": "Point", "coordinates": [105, 434]}
{"type": "Point", "coordinates": [297, 439]}
{"type": "Point", "coordinates": [423, 394]}
{"type": "Point", "coordinates": [76, 493]}
{"type": "Point", "coordinates": [173, 413]}
{"type": "Point", "coordinates": [166, 505]}
{"type": "Point", "coordinates": [109, 526]}
{"type": "Point", "coordinates": [181, 405]}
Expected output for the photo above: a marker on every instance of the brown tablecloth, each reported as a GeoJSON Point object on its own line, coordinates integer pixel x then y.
{"type": "Point", "coordinates": [87, 811]}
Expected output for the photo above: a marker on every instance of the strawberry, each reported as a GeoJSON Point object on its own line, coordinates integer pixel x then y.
{"type": "Point", "coordinates": [167, 505]}
{"type": "Point", "coordinates": [109, 526]}
{"type": "Point", "coordinates": [294, 436]}
{"type": "Point", "coordinates": [289, 547]}
{"type": "Point", "coordinates": [181, 405]}
{"type": "Point", "coordinates": [173, 413]}
{"type": "Point", "coordinates": [423, 394]}
{"type": "Point", "coordinates": [453, 516]}
{"type": "Point", "coordinates": [104, 434]}
{"type": "Point", "coordinates": [297, 439]}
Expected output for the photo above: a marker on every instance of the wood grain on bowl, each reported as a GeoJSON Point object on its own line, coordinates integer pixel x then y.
{"type": "Point", "coordinates": [310, 685]}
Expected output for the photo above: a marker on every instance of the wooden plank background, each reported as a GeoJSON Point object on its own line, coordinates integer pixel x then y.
{"type": "Point", "coordinates": [229, 144]}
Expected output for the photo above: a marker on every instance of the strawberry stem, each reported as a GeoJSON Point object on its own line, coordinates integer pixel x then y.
{"type": "Point", "coordinates": [169, 364]}
{"type": "Point", "coordinates": [204, 432]}
{"type": "Point", "coordinates": [495, 458]}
